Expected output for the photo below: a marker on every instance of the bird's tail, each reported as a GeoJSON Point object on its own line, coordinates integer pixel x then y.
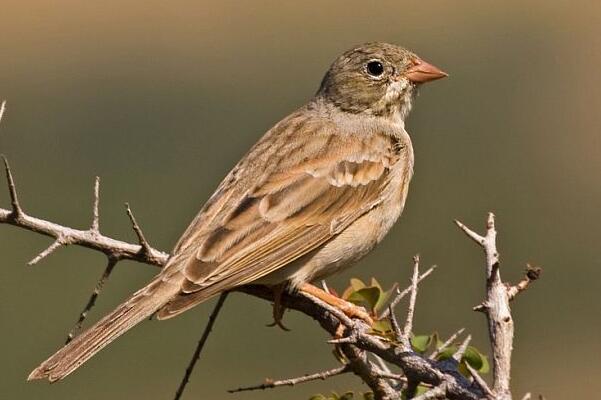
{"type": "Point", "coordinates": [141, 305]}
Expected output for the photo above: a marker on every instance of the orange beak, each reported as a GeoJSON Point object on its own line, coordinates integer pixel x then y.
{"type": "Point", "coordinates": [422, 72]}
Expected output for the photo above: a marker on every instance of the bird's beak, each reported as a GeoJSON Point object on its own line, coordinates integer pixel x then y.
{"type": "Point", "coordinates": [422, 72]}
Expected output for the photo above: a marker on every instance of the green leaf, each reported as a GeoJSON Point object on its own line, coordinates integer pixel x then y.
{"type": "Point", "coordinates": [476, 360]}
{"type": "Point", "coordinates": [318, 397]}
{"type": "Point", "coordinates": [375, 283]}
{"type": "Point", "coordinates": [421, 343]}
{"type": "Point", "coordinates": [384, 297]}
{"type": "Point", "coordinates": [347, 396]}
{"type": "Point", "coordinates": [472, 356]}
{"type": "Point", "coordinates": [357, 284]}
{"type": "Point", "coordinates": [368, 296]}
{"type": "Point", "coordinates": [421, 389]}
{"type": "Point", "coordinates": [447, 352]}
{"type": "Point", "coordinates": [382, 327]}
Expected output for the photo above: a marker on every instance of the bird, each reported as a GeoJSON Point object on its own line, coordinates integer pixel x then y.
{"type": "Point", "coordinates": [316, 193]}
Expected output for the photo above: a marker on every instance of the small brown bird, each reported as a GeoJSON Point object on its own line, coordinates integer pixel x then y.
{"type": "Point", "coordinates": [315, 194]}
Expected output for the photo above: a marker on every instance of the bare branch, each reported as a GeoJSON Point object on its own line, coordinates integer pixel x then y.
{"type": "Point", "coordinates": [527, 396]}
{"type": "Point", "coordinates": [446, 344]}
{"type": "Point", "coordinates": [270, 384]}
{"type": "Point", "coordinates": [411, 309]}
{"type": "Point", "coordinates": [141, 239]}
{"type": "Point", "coordinates": [496, 307]}
{"type": "Point", "coordinates": [93, 297]}
{"type": "Point", "coordinates": [200, 346]}
{"type": "Point", "coordinates": [462, 348]}
{"type": "Point", "coordinates": [400, 295]}
{"type": "Point", "coordinates": [112, 248]}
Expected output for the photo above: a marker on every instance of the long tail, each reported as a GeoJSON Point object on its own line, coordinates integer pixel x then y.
{"type": "Point", "coordinates": [140, 306]}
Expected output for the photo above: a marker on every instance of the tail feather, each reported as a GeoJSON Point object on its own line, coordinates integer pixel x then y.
{"type": "Point", "coordinates": [139, 307]}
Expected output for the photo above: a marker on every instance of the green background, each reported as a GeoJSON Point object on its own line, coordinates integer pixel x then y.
{"type": "Point", "coordinates": [160, 99]}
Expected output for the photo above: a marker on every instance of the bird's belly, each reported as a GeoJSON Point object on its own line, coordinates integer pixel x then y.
{"type": "Point", "coordinates": [340, 252]}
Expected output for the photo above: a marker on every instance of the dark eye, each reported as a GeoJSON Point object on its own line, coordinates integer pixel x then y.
{"type": "Point", "coordinates": [375, 68]}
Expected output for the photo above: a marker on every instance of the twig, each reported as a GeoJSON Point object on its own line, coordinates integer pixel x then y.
{"type": "Point", "coordinates": [400, 295]}
{"type": "Point", "coordinates": [201, 343]}
{"type": "Point", "coordinates": [390, 375]}
{"type": "Point", "coordinates": [95, 293]}
{"type": "Point", "coordinates": [411, 309]}
{"type": "Point", "coordinates": [395, 325]}
{"type": "Point", "coordinates": [270, 384]}
{"type": "Point", "coordinates": [527, 396]}
{"type": "Point", "coordinates": [446, 344]}
{"type": "Point", "coordinates": [532, 274]}
{"type": "Point", "coordinates": [479, 381]}
{"type": "Point", "coordinates": [49, 250]}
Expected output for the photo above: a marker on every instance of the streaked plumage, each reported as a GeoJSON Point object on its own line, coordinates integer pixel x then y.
{"type": "Point", "coordinates": [316, 193]}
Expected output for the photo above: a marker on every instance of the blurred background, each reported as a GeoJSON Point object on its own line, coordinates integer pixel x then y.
{"type": "Point", "coordinates": [160, 99]}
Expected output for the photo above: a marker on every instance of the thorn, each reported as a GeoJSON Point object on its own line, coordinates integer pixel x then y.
{"type": "Point", "coordinates": [480, 307]}
{"type": "Point", "coordinates": [2, 109]}
{"type": "Point", "coordinates": [470, 233]}
{"type": "Point", "coordinates": [461, 350]}
{"type": "Point", "coordinates": [17, 212]}
{"type": "Point", "coordinates": [146, 249]}
{"type": "Point", "coordinates": [478, 379]}
{"type": "Point", "coordinates": [49, 250]}
{"type": "Point", "coordinates": [446, 344]}
{"type": "Point", "coordinates": [348, 339]}
{"type": "Point", "coordinates": [95, 228]}
{"type": "Point", "coordinates": [395, 324]}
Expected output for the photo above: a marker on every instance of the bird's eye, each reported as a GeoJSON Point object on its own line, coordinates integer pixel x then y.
{"type": "Point", "coordinates": [375, 68]}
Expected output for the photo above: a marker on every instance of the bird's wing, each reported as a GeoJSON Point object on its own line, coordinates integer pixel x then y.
{"type": "Point", "coordinates": [312, 183]}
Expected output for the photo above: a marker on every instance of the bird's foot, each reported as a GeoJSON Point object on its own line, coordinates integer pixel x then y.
{"type": "Point", "coordinates": [278, 308]}
{"type": "Point", "coordinates": [349, 309]}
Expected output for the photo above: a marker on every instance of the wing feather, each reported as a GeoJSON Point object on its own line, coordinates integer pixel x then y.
{"type": "Point", "coordinates": [313, 185]}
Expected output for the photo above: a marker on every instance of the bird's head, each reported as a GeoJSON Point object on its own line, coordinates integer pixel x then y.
{"type": "Point", "coordinates": [376, 78]}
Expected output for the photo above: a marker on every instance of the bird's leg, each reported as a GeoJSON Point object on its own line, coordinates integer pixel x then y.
{"type": "Point", "coordinates": [350, 309]}
{"type": "Point", "coordinates": [278, 309]}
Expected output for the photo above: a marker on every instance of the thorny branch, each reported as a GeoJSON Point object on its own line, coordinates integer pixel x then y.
{"type": "Point", "coordinates": [358, 342]}
{"type": "Point", "coordinates": [496, 307]}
